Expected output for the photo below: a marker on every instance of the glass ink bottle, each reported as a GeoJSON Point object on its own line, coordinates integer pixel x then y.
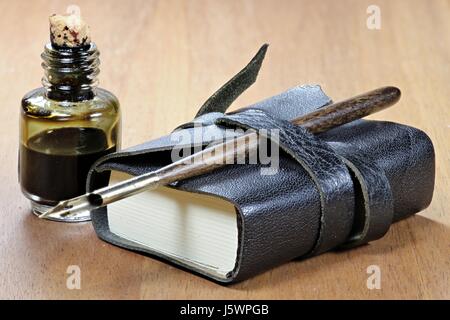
{"type": "Point", "coordinates": [69, 123]}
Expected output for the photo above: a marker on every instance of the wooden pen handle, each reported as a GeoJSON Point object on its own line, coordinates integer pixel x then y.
{"type": "Point", "coordinates": [318, 121]}
{"type": "Point", "coordinates": [348, 110]}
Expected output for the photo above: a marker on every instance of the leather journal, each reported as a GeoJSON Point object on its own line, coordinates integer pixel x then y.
{"type": "Point", "coordinates": [335, 190]}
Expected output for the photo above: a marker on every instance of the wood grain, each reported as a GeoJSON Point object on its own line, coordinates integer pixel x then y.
{"type": "Point", "coordinates": [163, 59]}
{"type": "Point", "coordinates": [349, 110]}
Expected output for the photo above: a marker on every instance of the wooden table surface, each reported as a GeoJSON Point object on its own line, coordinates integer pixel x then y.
{"type": "Point", "coordinates": [163, 59]}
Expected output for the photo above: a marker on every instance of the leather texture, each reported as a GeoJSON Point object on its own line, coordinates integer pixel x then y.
{"type": "Point", "coordinates": [326, 169]}
{"type": "Point", "coordinates": [336, 190]}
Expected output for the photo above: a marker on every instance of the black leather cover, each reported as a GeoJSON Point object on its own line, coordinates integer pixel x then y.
{"type": "Point", "coordinates": [339, 189]}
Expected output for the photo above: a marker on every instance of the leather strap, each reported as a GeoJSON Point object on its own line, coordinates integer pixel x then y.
{"type": "Point", "coordinates": [224, 97]}
{"type": "Point", "coordinates": [218, 103]}
{"type": "Point", "coordinates": [375, 210]}
{"type": "Point", "coordinates": [206, 119]}
{"type": "Point", "coordinates": [325, 167]}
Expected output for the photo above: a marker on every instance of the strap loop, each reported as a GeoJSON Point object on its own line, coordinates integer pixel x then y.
{"type": "Point", "coordinates": [325, 167]}
{"type": "Point", "coordinates": [377, 203]}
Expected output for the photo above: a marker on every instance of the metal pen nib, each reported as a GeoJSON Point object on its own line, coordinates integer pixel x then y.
{"type": "Point", "coordinates": [65, 208]}
{"type": "Point", "coordinates": [104, 196]}
{"type": "Point", "coordinates": [224, 153]}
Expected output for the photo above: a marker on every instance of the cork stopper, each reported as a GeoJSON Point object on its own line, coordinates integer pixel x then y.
{"type": "Point", "coordinates": [69, 31]}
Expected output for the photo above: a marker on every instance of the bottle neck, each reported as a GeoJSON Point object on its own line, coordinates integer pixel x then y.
{"type": "Point", "coordinates": [70, 74]}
